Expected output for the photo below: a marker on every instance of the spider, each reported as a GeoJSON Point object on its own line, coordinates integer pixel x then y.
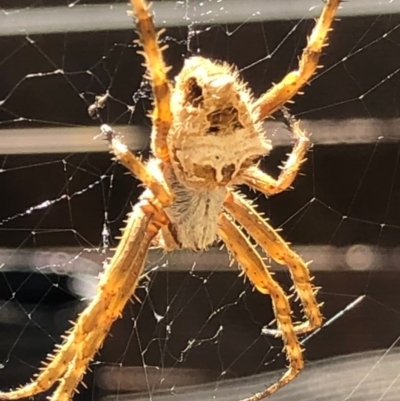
{"type": "Point", "coordinates": [206, 139]}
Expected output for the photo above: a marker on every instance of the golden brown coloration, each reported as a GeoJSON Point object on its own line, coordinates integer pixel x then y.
{"type": "Point", "coordinates": [206, 138]}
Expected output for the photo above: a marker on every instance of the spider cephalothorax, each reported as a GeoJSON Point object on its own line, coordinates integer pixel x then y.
{"type": "Point", "coordinates": [215, 132]}
{"type": "Point", "coordinates": [206, 136]}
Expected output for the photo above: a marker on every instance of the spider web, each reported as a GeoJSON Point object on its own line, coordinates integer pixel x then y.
{"type": "Point", "coordinates": [68, 67]}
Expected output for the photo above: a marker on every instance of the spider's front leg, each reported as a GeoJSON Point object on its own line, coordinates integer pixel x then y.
{"type": "Point", "coordinates": [290, 85]}
{"type": "Point", "coordinates": [255, 269]}
{"type": "Point", "coordinates": [257, 179]}
{"type": "Point", "coordinates": [120, 280]}
{"type": "Point", "coordinates": [116, 286]}
{"type": "Point", "coordinates": [274, 245]}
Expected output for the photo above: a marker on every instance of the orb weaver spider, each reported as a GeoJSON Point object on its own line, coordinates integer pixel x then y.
{"type": "Point", "coordinates": [206, 138]}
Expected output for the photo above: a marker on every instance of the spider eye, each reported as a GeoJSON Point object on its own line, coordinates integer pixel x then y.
{"type": "Point", "coordinates": [194, 92]}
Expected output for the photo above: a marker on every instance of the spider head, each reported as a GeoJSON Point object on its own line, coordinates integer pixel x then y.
{"type": "Point", "coordinates": [215, 133]}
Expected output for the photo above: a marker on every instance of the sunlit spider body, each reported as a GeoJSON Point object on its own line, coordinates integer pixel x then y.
{"type": "Point", "coordinates": [206, 139]}
{"type": "Point", "coordinates": [215, 135]}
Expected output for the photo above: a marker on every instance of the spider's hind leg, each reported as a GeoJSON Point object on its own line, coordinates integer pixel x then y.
{"type": "Point", "coordinates": [291, 84]}
{"type": "Point", "coordinates": [162, 115]}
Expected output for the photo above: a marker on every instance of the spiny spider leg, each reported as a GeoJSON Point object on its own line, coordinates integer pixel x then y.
{"type": "Point", "coordinates": [139, 170]}
{"type": "Point", "coordinates": [197, 184]}
{"type": "Point", "coordinates": [162, 115]}
{"type": "Point", "coordinates": [290, 85]}
{"type": "Point", "coordinates": [260, 181]}
{"type": "Point", "coordinates": [274, 246]}
{"type": "Point", "coordinates": [113, 293]}
{"type": "Point", "coordinates": [142, 233]}
{"type": "Point", "coordinates": [255, 269]}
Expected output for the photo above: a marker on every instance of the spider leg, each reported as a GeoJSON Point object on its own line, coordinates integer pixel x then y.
{"type": "Point", "coordinates": [255, 269]}
{"type": "Point", "coordinates": [162, 115]}
{"type": "Point", "coordinates": [143, 172]}
{"type": "Point", "coordinates": [274, 245]}
{"type": "Point", "coordinates": [280, 93]}
{"type": "Point", "coordinates": [257, 179]}
{"type": "Point", "coordinates": [116, 286]}
{"type": "Point", "coordinates": [95, 337]}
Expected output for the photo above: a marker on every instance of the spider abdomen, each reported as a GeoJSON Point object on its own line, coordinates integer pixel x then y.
{"type": "Point", "coordinates": [215, 131]}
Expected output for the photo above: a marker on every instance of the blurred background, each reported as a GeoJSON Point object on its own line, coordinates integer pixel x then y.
{"type": "Point", "coordinates": [63, 200]}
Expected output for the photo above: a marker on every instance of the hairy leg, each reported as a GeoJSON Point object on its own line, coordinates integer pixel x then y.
{"type": "Point", "coordinates": [117, 284]}
{"type": "Point", "coordinates": [290, 85]}
{"type": "Point", "coordinates": [95, 336]}
{"type": "Point", "coordinates": [162, 115]}
{"type": "Point", "coordinates": [274, 245]}
{"type": "Point", "coordinates": [255, 269]}
{"type": "Point", "coordinates": [141, 171]}
{"type": "Point", "coordinates": [257, 179]}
